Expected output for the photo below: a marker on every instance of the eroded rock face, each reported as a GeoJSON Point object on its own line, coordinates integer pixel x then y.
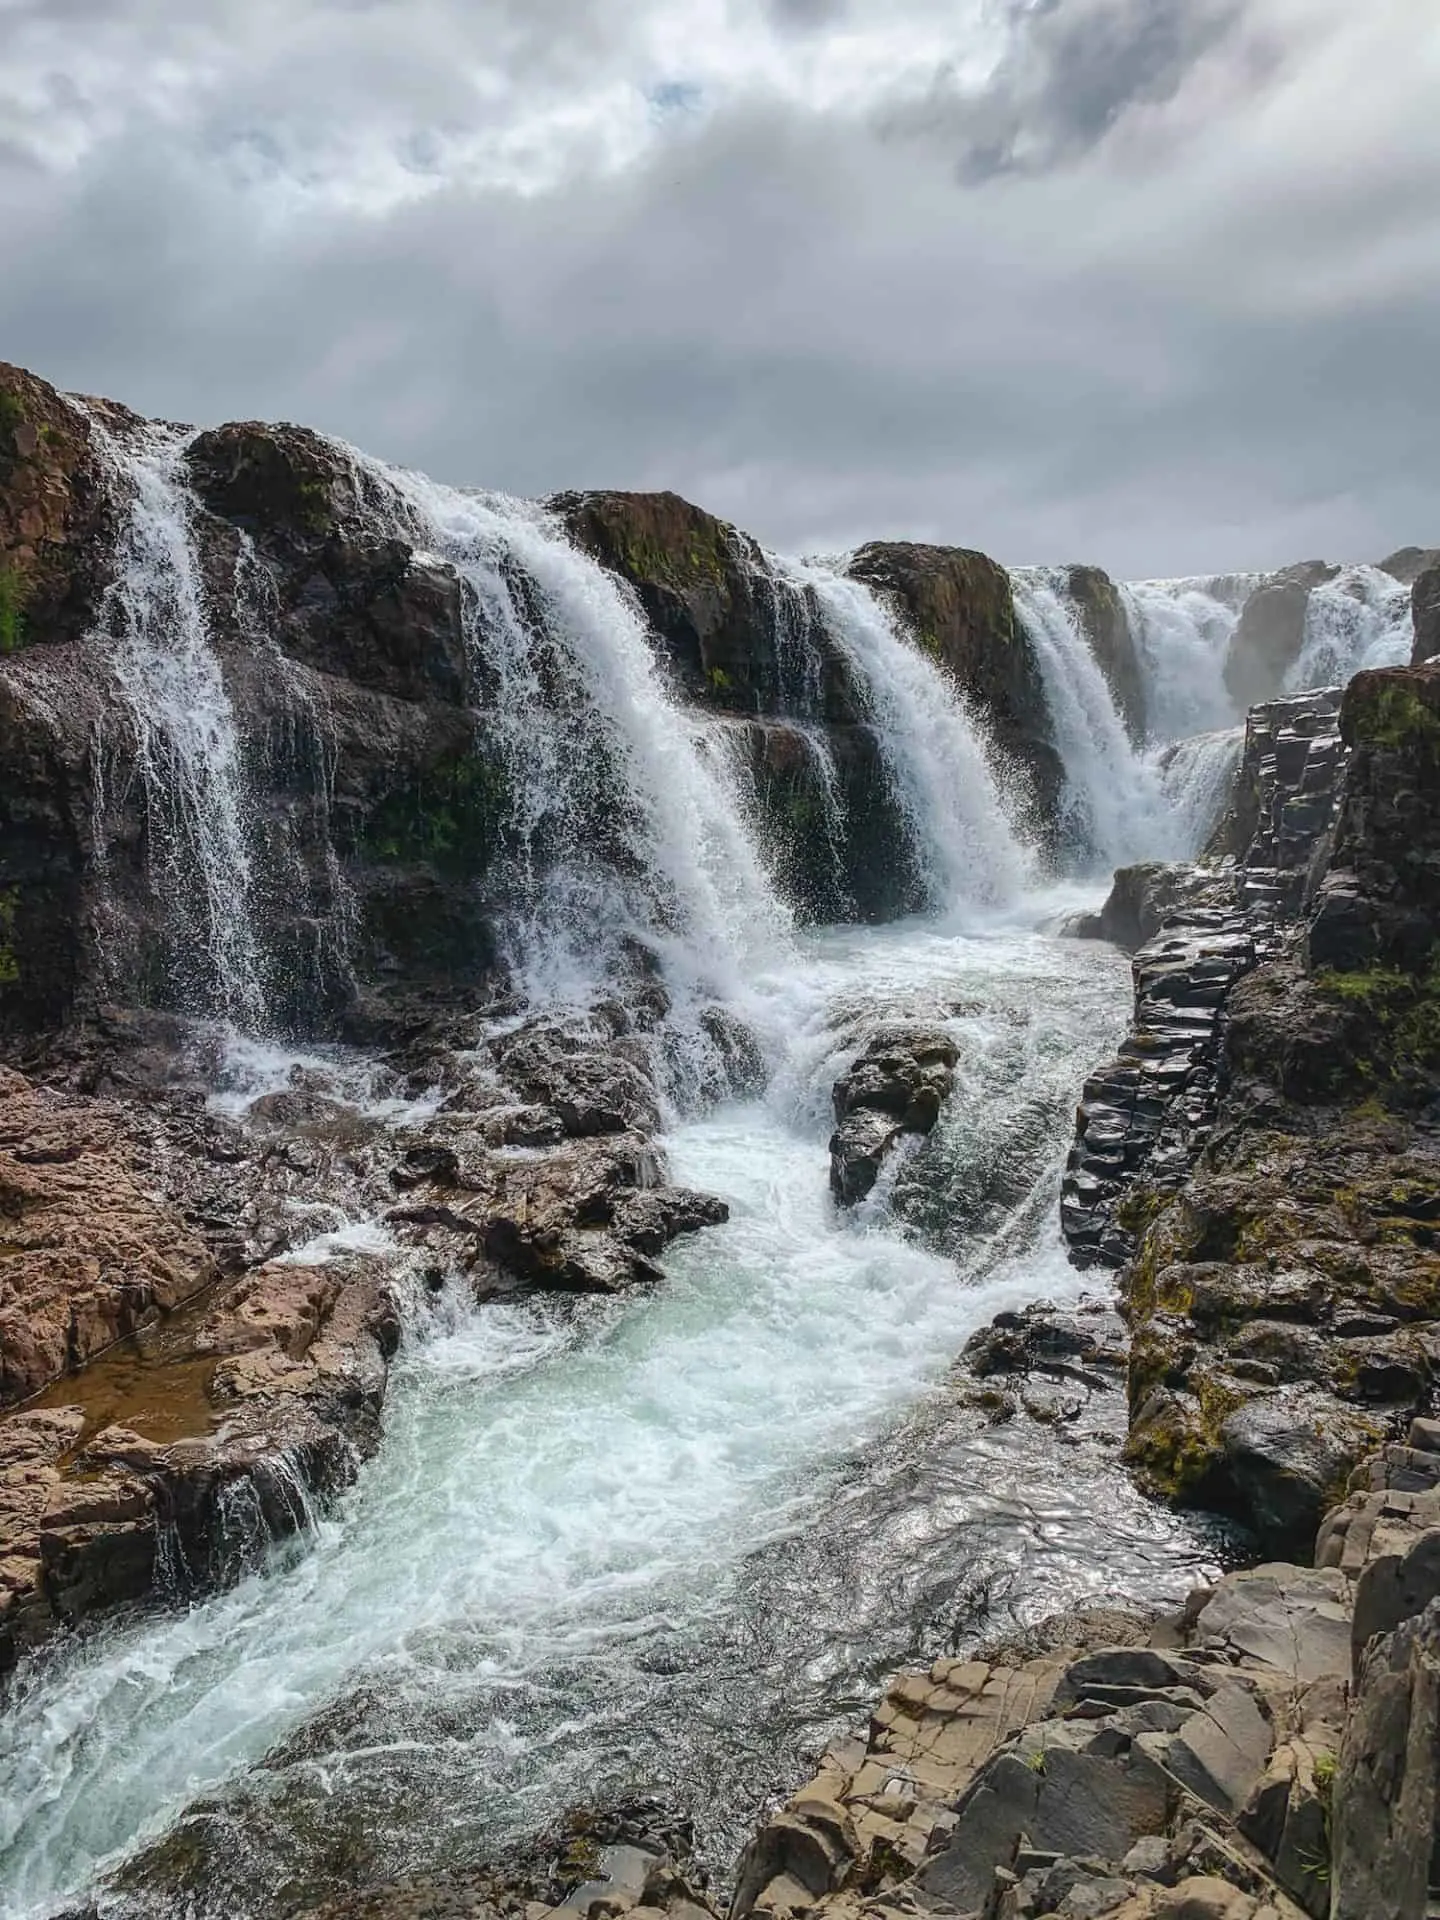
{"type": "Point", "coordinates": [54, 516]}
{"type": "Point", "coordinates": [1107, 628]}
{"type": "Point", "coordinates": [1284, 1297]}
{"type": "Point", "coordinates": [1425, 610]}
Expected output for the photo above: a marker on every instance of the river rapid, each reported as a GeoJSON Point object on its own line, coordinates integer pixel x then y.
{"type": "Point", "coordinates": [673, 1541]}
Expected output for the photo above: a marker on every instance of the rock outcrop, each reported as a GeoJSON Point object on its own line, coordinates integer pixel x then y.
{"type": "Point", "coordinates": [1270, 633]}
{"type": "Point", "coordinates": [1425, 611]}
{"type": "Point", "coordinates": [897, 1086]}
{"type": "Point", "coordinates": [1107, 628]}
{"type": "Point", "coordinates": [959, 606]}
{"type": "Point", "coordinates": [87, 1255]}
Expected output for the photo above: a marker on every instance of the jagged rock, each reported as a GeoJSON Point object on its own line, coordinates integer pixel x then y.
{"type": "Point", "coordinates": [1386, 1793]}
{"type": "Point", "coordinates": [1271, 631]}
{"type": "Point", "coordinates": [1142, 898]}
{"type": "Point", "coordinates": [896, 1086]}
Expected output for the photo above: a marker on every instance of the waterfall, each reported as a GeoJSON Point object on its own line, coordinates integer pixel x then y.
{"type": "Point", "coordinates": [625, 842]}
{"type": "Point", "coordinates": [1196, 776]}
{"type": "Point", "coordinates": [1114, 806]}
{"type": "Point", "coordinates": [1182, 631]}
{"type": "Point", "coordinates": [1359, 619]}
{"type": "Point", "coordinates": [186, 749]}
{"type": "Point", "coordinates": [955, 810]}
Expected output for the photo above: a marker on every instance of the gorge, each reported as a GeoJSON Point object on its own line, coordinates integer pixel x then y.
{"type": "Point", "coordinates": [441, 1388]}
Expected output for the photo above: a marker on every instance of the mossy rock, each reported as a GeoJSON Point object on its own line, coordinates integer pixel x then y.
{"type": "Point", "coordinates": [56, 515]}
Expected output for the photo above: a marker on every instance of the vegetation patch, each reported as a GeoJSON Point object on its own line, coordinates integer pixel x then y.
{"type": "Point", "coordinates": [9, 965]}
{"type": "Point", "coordinates": [14, 592]}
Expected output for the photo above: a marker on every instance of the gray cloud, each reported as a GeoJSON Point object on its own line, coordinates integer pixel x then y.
{"type": "Point", "coordinates": [1199, 337]}
{"type": "Point", "coordinates": [1071, 70]}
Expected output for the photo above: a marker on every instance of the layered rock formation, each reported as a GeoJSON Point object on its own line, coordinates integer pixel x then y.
{"type": "Point", "coordinates": [1264, 1157]}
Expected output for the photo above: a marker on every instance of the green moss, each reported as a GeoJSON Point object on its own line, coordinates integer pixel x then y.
{"type": "Point", "coordinates": [451, 817]}
{"type": "Point", "coordinates": [1402, 1013]}
{"type": "Point", "coordinates": [12, 415]}
{"type": "Point", "coordinates": [13, 594]}
{"type": "Point", "coordinates": [313, 505]}
{"type": "Point", "coordinates": [1387, 712]}
{"type": "Point", "coordinates": [719, 679]}
{"type": "Point", "coordinates": [9, 965]}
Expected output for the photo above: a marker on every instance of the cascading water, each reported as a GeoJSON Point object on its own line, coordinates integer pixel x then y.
{"type": "Point", "coordinates": [676, 1537]}
{"type": "Point", "coordinates": [184, 745]}
{"type": "Point", "coordinates": [623, 835]}
{"type": "Point", "coordinates": [1196, 775]}
{"type": "Point", "coordinates": [1182, 631]}
{"type": "Point", "coordinates": [957, 812]}
{"type": "Point", "coordinates": [1359, 619]}
{"type": "Point", "coordinates": [1113, 808]}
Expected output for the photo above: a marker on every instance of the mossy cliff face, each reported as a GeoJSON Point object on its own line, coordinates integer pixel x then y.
{"type": "Point", "coordinates": [708, 595]}
{"type": "Point", "coordinates": [958, 605]}
{"type": "Point", "coordinates": [53, 515]}
{"type": "Point", "coordinates": [1285, 1303]}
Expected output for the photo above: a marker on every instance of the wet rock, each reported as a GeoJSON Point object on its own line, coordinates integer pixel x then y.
{"type": "Point", "coordinates": [1106, 626]}
{"type": "Point", "coordinates": [896, 1086]}
{"type": "Point", "coordinates": [959, 606]}
{"type": "Point", "coordinates": [1425, 611]}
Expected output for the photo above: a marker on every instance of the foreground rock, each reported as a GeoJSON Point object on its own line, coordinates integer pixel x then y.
{"type": "Point", "coordinates": [1266, 1753]}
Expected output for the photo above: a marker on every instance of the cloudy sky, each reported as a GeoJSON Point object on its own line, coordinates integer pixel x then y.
{"type": "Point", "coordinates": [1154, 283]}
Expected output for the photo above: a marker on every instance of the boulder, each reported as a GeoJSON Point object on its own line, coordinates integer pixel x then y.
{"type": "Point", "coordinates": [1106, 626]}
{"type": "Point", "coordinates": [896, 1086]}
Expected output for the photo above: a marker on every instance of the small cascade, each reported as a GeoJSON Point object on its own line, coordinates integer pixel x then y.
{"type": "Point", "coordinates": [965, 847]}
{"type": "Point", "coordinates": [1114, 799]}
{"type": "Point", "coordinates": [186, 748]}
{"type": "Point", "coordinates": [1358, 620]}
{"type": "Point", "coordinates": [1196, 775]}
{"type": "Point", "coordinates": [1182, 631]}
{"type": "Point", "coordinates": [625, 846]}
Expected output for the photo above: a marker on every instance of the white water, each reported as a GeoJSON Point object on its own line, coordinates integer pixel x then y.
{"type": "Point", "coordinates": [186, 749]}
{"type": "Point", "coordinates": [622, 831]}
{"type": "Point", "coordinates": [1196, 776]}
{"type": "Point", "coordinates": [1182, 631]}
{"type": "Point", "coordinates": [662, 1538]}
{"type": "Point", "coordinates": [952, 798]}
{"type": "Point", "coordinates": [1115, 809]}
{"type": "Point", "coordinates": [1360, 619]}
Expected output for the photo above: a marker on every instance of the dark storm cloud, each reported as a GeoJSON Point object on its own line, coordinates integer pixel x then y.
{"type": "Point", "coordinates": [1072, 69]}
{"type": "Point", "coordinates": [1216, 358]}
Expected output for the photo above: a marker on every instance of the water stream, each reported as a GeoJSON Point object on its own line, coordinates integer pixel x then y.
{"type": "Point", "coordinates": [676, 1539]}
